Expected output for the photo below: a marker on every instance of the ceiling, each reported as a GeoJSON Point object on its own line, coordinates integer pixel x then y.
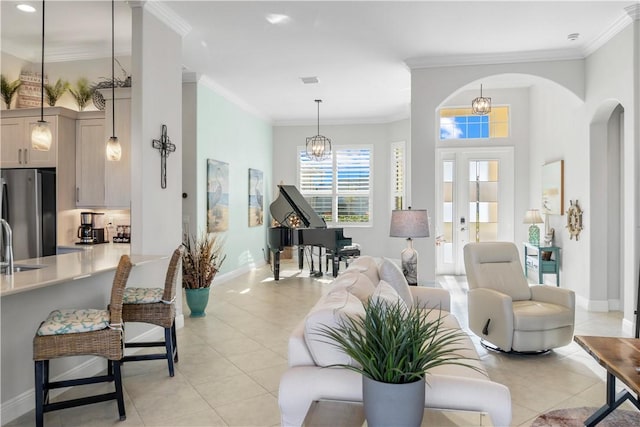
{"type": "Point", "coordinates": [358, 50]}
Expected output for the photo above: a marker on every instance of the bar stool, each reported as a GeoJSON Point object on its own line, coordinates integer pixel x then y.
{"type": "Point", "coordinates": [156, 306]}
{"type": "Point", "coordinates": [82, 332]}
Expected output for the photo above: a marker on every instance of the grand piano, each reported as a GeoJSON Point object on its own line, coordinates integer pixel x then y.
{"type": "Point", "coordinates": [301, 226]}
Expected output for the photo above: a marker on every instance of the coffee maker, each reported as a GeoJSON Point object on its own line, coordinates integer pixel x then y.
{"type": "Point", "coordinates": [85, 231]}
{"type": "Point", "coordinates": [97, 225]}
{"type": "Point", "coordinates": [91, 230]}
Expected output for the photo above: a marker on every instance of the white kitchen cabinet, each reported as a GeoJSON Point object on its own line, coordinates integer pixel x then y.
{"type": "Point", "coordinates": [16, 151]}
{"type": "Point", "coordinates": [101, 183]}
{"type": "Point", "coordinates": [90, 178]}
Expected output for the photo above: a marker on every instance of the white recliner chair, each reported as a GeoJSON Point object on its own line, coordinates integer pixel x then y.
{"type": "Point", "coordinates": [507, 312]}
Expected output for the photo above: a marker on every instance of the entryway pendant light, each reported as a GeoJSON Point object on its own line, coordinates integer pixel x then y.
{"type": "Point", "coordinates": [481, 105]}
{"type": "Point", "coordinates": [41, 133]}
{"type": "Point", "coordinates": [318, 147]}
{"type": "Point", "coordinates": [113, 150]}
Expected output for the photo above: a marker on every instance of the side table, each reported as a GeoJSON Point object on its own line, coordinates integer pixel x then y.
{"type": "Point", "coordinates": [351, 414]}
{"type": "Point", "coordinates": [543, 259]}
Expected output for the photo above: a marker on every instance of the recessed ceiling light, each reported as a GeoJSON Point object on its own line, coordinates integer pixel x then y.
{"type": "Point", "coordinates": [309, 80]}
{"type": "Point", "coordinates": [573, 36]}
{"type": "Point", "coordinates": [26, 8]}
{"type": "Point", "coordinates": [277, 18]}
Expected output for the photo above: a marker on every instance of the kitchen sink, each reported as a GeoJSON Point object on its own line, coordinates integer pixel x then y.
{"type": "Point", "coordinates": [17, 268]}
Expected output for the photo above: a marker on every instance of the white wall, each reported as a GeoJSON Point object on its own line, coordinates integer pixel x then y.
{"type": "Point", "coordinates": [558, 132]}
{"type": "Point", "coordinates": [156, 213]}
{"type": "Point", "coordinates": [612, 79]}
{"type": "Point", "coordinates": [430, 87]}
{"type": "Point", "coordinates": [373, 240]}
{"type": "Point", "coordinates": [216, 128]}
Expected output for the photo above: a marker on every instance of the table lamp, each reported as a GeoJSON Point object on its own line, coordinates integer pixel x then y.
{"type": "Point", "coordinates": [410, 223]}
{"type": "Point", "coordinates": [533, 217]}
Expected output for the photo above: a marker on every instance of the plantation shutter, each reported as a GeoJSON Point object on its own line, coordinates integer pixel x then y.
{"type": "Point", "coordinates": [353, 167]}
{"type": "Point", "coordinates": [316, 183]}
{"type": "Point", "coordinates": [398, 175]}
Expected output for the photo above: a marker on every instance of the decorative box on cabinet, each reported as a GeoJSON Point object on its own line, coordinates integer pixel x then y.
{"type": "Point", "coordinates": [542, 260]}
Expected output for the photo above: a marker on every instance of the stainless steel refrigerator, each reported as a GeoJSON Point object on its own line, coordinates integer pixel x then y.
{"type": "Point", "coordinates": [29, 206]}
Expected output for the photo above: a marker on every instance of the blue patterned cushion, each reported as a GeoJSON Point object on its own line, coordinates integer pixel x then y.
{"type": "Point", "coordinates": [142, 295]}
{"type": "Point", "coordinates": [70, 321]}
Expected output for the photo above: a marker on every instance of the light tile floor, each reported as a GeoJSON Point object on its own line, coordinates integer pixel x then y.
{"type": "Point", "coordinates": [231, 362]}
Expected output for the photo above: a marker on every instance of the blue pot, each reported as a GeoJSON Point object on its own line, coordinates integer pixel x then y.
{"type": "Point", "coordinates": [197, 300]}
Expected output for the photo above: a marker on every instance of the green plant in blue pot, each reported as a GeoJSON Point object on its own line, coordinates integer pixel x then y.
{"type": "Point", "coordinates": [202, 258]}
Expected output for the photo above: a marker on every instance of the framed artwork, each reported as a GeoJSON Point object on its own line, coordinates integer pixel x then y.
{"type": "Point", "coordinates": [553, 188]}
{"type": "Point", "coordinates": [256, 191]}
{"type": "Point", "coordinates": [217, 196]}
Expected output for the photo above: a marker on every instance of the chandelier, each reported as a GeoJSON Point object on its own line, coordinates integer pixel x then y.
{"type": "Point", "coordinates": [318, 146]}
{"type": "Point", "coordinates": [481, 105]}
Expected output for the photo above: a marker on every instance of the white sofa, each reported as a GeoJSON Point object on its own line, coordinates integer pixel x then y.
{"type": "Point", "coordinates": [307, 379]}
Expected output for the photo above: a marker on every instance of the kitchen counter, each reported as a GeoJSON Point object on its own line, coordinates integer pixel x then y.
{"type": "Point", "coordinates": [63, 268]}
{"type": "Point", "coordinates": [81, 279]}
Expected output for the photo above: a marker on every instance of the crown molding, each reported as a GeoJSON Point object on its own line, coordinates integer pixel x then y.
{"type": "Point", "coordinates": [617, 26]}
{"type": "Point", "coordinates": [494, 58]}
{"type": "Point", "coordinates": [394, 117]}
{"type": "Point", "coordinates": [630, 13]}
{"type": "Point", "coordinates": [233, 98]}
{"type": "Point", "coordinates": [75, 52]}
{"type": "Point", "coordinates": [170, 18]}
{"type": "Point", "coordinates": [633, 11]}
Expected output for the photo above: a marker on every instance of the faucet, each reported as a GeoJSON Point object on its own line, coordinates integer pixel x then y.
{"type": "Point", "coordinates": [7, 239]}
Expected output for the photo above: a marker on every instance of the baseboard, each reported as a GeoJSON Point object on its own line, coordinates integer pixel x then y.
{"type": "Point", "coordinates": [225, 277]}
{"type": "Point", "coordinates": [614, 305]}
{"type": "Point", "coordinates": [628, 328]}
{"type": "Point", "coordinates": [592, 305]}
{"type": "Point", "coordinates": [25, 402]}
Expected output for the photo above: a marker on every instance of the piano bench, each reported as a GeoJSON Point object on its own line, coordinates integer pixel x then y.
{"type": "Point", "coordinates": [343, 255]}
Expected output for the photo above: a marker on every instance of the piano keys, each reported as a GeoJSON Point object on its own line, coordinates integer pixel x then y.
{"type": "Point", "coordinates": [301, 226]}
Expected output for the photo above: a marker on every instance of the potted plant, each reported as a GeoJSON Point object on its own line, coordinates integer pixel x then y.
{"type": "Point", "coordinates": [394, 347]}
{"type": "Point", "coordinates": [201, 261]}
{"type": "Point", "coordinates": [8, 89]}
{"type": "Point", "coordinates": [82, 93]}
{"type": "Point", "coordinates": [55, 91]}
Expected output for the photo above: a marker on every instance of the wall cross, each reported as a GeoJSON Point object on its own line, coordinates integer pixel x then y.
{"type": "Point", "coordinates": [166, 147]}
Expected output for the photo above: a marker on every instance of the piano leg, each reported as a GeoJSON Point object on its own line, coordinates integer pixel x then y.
{"type": "Point", "coordinates": [276, 265]}
{"type": "Point", "coordinates": [336, 264]}
{"type": "Point", "coordinates": [300, 257]}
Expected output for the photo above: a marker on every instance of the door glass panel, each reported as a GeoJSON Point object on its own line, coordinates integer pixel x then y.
{"type": "Point", "coordinates": [483, 200]}
{"type": "Point", "coordinates": [447, 211]}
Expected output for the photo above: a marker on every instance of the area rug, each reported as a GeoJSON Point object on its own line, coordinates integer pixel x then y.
{"type": "Point", "coordinates": [575, 417]}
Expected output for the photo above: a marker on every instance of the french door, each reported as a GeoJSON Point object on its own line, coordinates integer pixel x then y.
{"type": "Point", "coordinates": [474, 201]}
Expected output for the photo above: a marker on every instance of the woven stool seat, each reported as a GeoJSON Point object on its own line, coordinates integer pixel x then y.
{"type": "Point", "coordinates": [157, 307]}
{"type": "Point", "coordinates": [84, 332]}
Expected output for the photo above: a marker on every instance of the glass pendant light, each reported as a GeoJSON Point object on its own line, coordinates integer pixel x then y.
{"type": "Point", "coordinates": [113, 149]}
{"type": "Point", "coordinates": [41, 133]}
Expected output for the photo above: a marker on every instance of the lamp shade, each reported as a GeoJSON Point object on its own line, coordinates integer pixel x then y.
{"type": "Point", "coordinates": [409, 223]}
{"type": "Point", "coordinates": [532, 217]}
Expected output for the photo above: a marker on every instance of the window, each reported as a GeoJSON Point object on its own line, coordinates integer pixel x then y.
{"type": "Point", "coordinates": [338, 188]}
{"type": "Point", "coordinates": [461, 123]}
{"type": "Point", "coordinates": [398, 175]}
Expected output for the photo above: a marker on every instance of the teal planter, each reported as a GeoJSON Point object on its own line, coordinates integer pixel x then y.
{"type": "Point", "coordinates": [197, 300]}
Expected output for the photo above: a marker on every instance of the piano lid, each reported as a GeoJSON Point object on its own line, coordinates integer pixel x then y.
{"type": "Point", "coordinates": [289, 204]}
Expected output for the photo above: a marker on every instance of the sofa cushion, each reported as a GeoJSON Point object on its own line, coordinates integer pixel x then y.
{"type": "Point", "coordinates": [392, 274]}
{"type": "Point", "coordinates": [387, 294]}
{"type": "Point", "coordinates": [355, 283]}
{"type": "Point", "coordinates": [330, 311]}
{"type": "Point", "coordinates": [537, 315]}
{"type": "Point", "coordinates": [367, 265]}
